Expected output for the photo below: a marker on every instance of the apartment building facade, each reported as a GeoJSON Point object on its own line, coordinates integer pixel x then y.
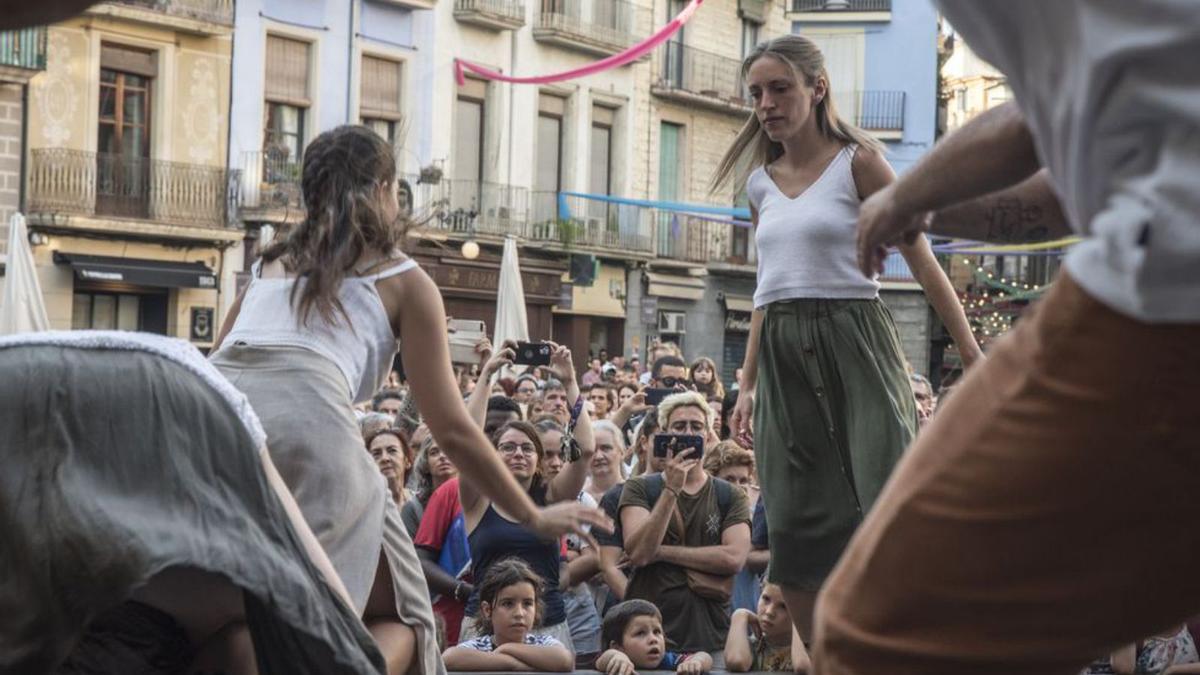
{"type": "Point", "coordinates": [22, 55]}
{"type": "Point", "coordinates": [525, 161]}
{"type": "Point", "coordinates": [127, 194]}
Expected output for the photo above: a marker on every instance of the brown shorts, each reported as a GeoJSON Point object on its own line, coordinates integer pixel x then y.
{"type": "Point", "coordinates": [1049, 512]}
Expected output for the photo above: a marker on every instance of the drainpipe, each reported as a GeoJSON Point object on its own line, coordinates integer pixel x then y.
{"type": "Point", "coordinates": [512, 101]}
{"type": "Point", "coordinates": [352, 35]}
{"type": "Point", "coordinates": [24, 162]}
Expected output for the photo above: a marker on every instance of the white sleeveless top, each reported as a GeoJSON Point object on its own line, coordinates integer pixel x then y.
{"type": "Point", "coordinates": [363, 350]}
{"type": "Point", "coordinates": [806, 245]}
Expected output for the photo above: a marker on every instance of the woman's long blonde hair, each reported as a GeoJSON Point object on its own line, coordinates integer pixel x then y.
{"type": "Point", "coordinates": [753, 148]}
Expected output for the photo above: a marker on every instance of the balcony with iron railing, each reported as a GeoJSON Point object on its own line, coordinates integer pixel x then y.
{"type": "Point", "coordinates": [696, 77]}
{"type": "Point", "coordinates": [590, 224]}
{"type": "Point", "coordinates": [841, 10]}
{"type": "Point", "coordinates": [270, 184]}
{"type": "Point", "coordinates": [24, 49]}
{"type": "Point", "coordinates": [880, 112]}
{"type": "Point", "coordinates": [471, 207]}
{"type": "Point", "coordinates": [700, 240]}
{"type": "Point", "coordinates": [74, 182]}
{"type": "Point", "coordinates": [599, 27]}
{"type": "Point", "coordinates": [204, 17]}
{"type": "Point", "coordinates": [491, 14]}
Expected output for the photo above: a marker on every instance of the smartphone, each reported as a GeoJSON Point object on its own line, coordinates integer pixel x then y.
{"type": "Point", "coordinates": [464, 334]}
{"type": "Point", "coordinates": [533, 354]}
{"type": "Point", "coordinates": [681, 444]}
{"type": "Point", "coordinates": [655, 396]}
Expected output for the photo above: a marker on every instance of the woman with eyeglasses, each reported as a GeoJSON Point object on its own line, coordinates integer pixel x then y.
{"type": "Point", "coordinates": [494, 534]}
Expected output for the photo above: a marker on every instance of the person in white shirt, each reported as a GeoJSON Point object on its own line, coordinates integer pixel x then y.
{"type": "Point", "coordinates": [1048, 511]}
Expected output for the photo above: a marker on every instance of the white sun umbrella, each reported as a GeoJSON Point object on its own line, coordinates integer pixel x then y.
{"type": "Point", "coordinates": [22, 308]}
{"type": "Point", "coordinates": [511, 321]}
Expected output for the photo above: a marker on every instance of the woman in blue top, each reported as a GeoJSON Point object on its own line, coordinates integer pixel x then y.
{"type": "Point", "coordinates": [491, 530]}
{"type": "Point", "coordinates": [825, 379]}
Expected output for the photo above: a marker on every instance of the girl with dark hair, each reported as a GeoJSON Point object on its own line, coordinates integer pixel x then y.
{"type": "Point", "coordinates": [705, 378]}
{"type": "Point", "coordinates": [824, 373]}
{"type": "Point", "coordinates": [314, 332]}
{"type": "Point", "coordinates": [511, 608]}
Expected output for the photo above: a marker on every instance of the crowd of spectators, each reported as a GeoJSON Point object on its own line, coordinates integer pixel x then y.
{"type": "Point", "coordinates": [680, 584]}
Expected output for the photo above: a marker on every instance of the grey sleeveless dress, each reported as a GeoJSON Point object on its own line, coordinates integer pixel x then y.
{"type": "Point", "coordinates": [302, 380]}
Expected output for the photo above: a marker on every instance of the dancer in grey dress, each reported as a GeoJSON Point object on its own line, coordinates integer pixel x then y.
{"type": "Point", "coordinates": [314, 333]}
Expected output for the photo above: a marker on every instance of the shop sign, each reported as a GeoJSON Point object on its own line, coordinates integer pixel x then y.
{"type": "Point", "coordinates": [737, 322]}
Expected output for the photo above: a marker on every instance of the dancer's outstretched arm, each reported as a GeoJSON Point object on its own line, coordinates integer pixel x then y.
{"type": "Point", "coordinates": [1026, 212]}
{"type": "Point", "coordinates": [424, 346]}
{"type": "Point", "coordinates": [992, 152]}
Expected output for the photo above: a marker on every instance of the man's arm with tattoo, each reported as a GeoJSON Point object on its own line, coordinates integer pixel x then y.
{"type": "Point", "coordinates": [1024, 213]}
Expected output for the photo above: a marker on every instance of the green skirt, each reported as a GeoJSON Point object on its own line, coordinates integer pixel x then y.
{"type": "Point", "coordinates": [834, 412]}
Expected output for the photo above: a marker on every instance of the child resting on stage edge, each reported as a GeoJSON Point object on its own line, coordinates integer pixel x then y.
{"type": "Point", "coordinates": [634, 636]}
{"type": "Point", "coordinates": [773, 645]}
{"type": "Point", "coordinates": [510, 603]}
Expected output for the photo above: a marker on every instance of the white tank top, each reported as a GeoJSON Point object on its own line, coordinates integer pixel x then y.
{"type": "Point", "coordinates": [363, 351]}
{"type": "Point", "coordinates": [806, 245]}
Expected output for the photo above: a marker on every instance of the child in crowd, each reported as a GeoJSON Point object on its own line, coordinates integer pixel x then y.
{"type": "Point", "coordinates": [509, 609]}
{"type": "Point", "coordinates": [763, 640]}
{"type": "Point", "coordinates": [1172, 652]}
{"type": "Point", "coordinates": [633, 633]}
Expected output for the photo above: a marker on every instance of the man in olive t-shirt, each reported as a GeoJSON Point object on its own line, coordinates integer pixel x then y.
{"type": "Point", "coordinates": [663, 545]}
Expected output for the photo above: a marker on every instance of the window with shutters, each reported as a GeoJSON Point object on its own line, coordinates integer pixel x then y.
{"type": "Point", "coordinates": [381, 104]}
{"type": "Point", "coordinates": [123, 143]}
{"type": "Point", "coordinates": [548, 168]}
{"type": "Point", "coordinates": [600, 170]}
{"type": "Point", "coordinates": [288, 99]}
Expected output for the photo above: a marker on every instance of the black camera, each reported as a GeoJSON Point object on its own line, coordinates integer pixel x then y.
{"type": "Point", "coordinates": [533, 354]}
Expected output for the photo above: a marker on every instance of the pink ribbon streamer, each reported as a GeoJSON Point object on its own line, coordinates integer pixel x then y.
{"type": "Point", "coordinates": [615, 61]}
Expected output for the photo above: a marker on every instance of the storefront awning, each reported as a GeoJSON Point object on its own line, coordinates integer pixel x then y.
{"type": "Point", "coordinates": [675, 286]}
{"type": "Point", "coordinates": [739, 303]}
{"type": "Point", "coordinates": [139, 272]}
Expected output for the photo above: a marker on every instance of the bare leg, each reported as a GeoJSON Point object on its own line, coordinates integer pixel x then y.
{"type": "Point", "coordinates": [396, 641]}
{"type": "Point", "coordinates": [801, 604]}
{"type": "Point", "coordinates": [229, 652]}
{"type": "Point", "coordinates": [209, 606]}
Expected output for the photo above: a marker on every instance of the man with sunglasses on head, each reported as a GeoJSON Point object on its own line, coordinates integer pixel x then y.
{"type": "Point", "coordinates": [669, 372]}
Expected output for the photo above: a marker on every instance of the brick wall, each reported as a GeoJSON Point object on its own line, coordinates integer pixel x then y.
{"type": "Point", "coordinates": [10, 157]}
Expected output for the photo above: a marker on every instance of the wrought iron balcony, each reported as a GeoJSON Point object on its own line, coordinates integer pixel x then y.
{"type": "Point", "coordinates": [841, 6]}
{"type": "Point", "coordinates": [80, 183]}
{"type": "Point", "coordinates": [493, 14]}
{"type": "Point", "coordinates": [591, 224]}
{"type": "Point", "coordinates": [270, 180]}
{"type": "Point", "coordinates": [879, 110]}
{"type": "Point", "coordinates": [473, 207]}
{"type": "Point", "coordinates": [694, 76]}
{"type": "Point", "coordinates": [196, 15]}
{"type": "Point", "coordinates": [24, 49]}
{"type": "Point", "coordinates": [601, 27]}
{"type": "Point", "coordinates": [703, 240]}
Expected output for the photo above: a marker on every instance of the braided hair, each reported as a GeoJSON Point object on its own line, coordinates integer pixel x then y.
{"type": "Point", "coordinates": [343, 173]}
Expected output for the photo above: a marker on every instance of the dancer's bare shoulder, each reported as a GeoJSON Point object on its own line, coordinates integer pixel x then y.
{"type": "Point", "coordinates": [409, 291]}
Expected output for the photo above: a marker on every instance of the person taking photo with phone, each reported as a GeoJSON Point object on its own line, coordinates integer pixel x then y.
{"type": "Point", "coordinates": [686, 534]}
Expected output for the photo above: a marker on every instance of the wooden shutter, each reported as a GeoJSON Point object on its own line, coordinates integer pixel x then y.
{"type": "Point", "coordinates": [381, 81]}
{"type": "Point", "coordinates": [287, 71]}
